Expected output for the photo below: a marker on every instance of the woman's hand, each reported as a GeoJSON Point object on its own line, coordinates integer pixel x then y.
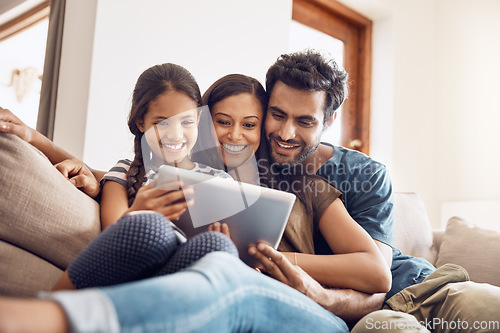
{"type": "Point", "coordinates": [13, 125]}
{"type": "Point", "coordinates": [72, 168]}
{"type": "Point", "coordinates": [220, 227]}
{"type": "Point", "coordinates": [170, 203]}
{"type": "Point", "coordinates": [276, 265]}
{"type": "Point", "coordinates": [79, 175]}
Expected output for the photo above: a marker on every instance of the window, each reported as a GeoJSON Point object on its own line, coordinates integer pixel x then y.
{"type": "Point", "coordinates": [22, 45]}
{"type": "Point", "coordinates": [302, 37]}
{"type": "Point", "coordinates": [329, 21]}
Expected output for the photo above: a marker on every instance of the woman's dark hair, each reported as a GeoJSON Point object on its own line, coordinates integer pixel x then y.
{"type": "Point", "coordinates": [153, 82]}
{"type": "Point", "coordinates": [310, 70]}
{"type": "Point", "coordinates": [234, 84]}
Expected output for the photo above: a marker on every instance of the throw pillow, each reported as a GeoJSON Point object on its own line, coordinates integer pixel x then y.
{"type": "Point", "coordinates": [474, 248]}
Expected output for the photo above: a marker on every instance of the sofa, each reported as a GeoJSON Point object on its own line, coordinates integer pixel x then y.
{"type": "Point", "coordinates": [475, 248]}
{"type": "Point", "coordinates": [45, 222]}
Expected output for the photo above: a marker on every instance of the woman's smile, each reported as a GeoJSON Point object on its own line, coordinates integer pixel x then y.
{"type": "Point", "coordinates": [233, 148]}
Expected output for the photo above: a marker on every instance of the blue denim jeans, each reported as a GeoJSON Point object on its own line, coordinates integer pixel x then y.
{"type": "Point", "coordinates": [218, 293]}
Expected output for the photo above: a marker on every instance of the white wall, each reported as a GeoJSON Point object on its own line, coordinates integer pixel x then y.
{"type": "Point", "coordinates": [413, 162]}
{"type": "Point", "coordinates": [468, 107]}
{"type": "Point", "coordinates": [435, 105]}
{"type": "Point", "coordinates": [209, 38]}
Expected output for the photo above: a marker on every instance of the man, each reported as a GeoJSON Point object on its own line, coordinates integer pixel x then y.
{"type": "Point", "coordinates": [305, 89]}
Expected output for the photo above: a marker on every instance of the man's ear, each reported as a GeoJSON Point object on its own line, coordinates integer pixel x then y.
{"type": "Point", "coordinates": [140, 124]}
{"type": "Point", "coordinates": [330, 121]}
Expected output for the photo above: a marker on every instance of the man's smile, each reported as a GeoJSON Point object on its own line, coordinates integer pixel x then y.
{"type": "Point", "coordinates": [284, 147]}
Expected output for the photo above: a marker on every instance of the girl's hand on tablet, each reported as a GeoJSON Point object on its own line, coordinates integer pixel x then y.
{"type": "Point", "coordinates": [171, 204]}
{"type": "Point", "coordinates": [220, 227]}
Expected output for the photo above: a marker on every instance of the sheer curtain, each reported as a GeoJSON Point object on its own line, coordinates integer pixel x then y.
{"type": "Point", "coordinates": [48, 94]}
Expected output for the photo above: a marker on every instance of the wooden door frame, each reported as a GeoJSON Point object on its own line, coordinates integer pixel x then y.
{"type": "Point", "coordinates": [355, 31]}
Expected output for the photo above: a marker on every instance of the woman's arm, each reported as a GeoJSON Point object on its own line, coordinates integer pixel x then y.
{"type": "Point", "coordinates": [357, 263]}
{"type": "Point", "coordinates": [72, 168]}
{"type": "Point", "coordinates": [9, 123]}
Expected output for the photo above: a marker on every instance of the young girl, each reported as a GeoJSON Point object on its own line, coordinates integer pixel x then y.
{"type": "Point", "coordinates": [164, 119]}
{"type": "Point", "coordinates": [138, 239]}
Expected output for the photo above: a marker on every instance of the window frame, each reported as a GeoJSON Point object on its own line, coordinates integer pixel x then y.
{"type": "Point", "coordinates": [25, 20]}
{"type": "Point", "coordinates": [355, 31]}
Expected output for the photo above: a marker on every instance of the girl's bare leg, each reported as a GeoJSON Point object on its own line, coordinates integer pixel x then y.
{"type": "Point", "coordinates": [64, 283]}
{"type": "Point", "coordinates": [31, 315]}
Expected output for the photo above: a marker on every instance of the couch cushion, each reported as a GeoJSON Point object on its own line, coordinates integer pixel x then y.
{"type": "Point", "coordinates": [412, 228]}
{"type": "Point", "coordinates": [23, 274]}
{"type": "Point", "coordinates": [474, 248]}
{"type": "Point", "coordinates": [40, 211]}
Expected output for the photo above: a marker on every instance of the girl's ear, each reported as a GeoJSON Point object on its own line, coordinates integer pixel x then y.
{"type": "Point", "coordinates": [140, 124]}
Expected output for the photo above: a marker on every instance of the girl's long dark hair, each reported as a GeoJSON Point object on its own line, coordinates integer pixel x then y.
{"type": "Point", "coordinates": [153, 82]}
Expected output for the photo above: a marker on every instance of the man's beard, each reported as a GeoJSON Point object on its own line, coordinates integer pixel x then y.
{"type": "Point", "coordinates": [305, 152]}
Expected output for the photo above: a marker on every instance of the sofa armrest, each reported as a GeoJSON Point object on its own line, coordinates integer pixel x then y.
{"type": "Point", "coordinates": [437, 238]}
{"type": "Point", "coordinates": [41, 212]}
{"type": "Point", "coordinates": [412, 228]}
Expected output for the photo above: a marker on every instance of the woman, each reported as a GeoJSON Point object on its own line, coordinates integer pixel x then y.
{"type": "Point", "coordinates": [238, 105]}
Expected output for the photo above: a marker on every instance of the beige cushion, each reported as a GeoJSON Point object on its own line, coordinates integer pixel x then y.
{"type": "Point", "coordinates": [475, 249]}
{"type": "Point", "coordinates": [40, 211]}
{"type": "Point", "coordinates": [412, 228]}
{"type": "Point", "coordinates": [24, 274]}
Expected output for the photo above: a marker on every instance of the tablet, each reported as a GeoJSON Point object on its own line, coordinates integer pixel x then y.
{"type": "Point", "coordinates": [252, 213]}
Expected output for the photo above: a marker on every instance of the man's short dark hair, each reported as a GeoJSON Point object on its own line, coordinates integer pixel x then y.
{"type": "Point", "coordinates": [310, 70]}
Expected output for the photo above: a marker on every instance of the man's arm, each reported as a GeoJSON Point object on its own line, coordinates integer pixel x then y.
{"type": "Point", "coordinates": [350, 305]}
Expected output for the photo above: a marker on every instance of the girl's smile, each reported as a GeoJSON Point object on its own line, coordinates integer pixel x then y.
{"type": "Point", "coordinates": [171, 131]}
